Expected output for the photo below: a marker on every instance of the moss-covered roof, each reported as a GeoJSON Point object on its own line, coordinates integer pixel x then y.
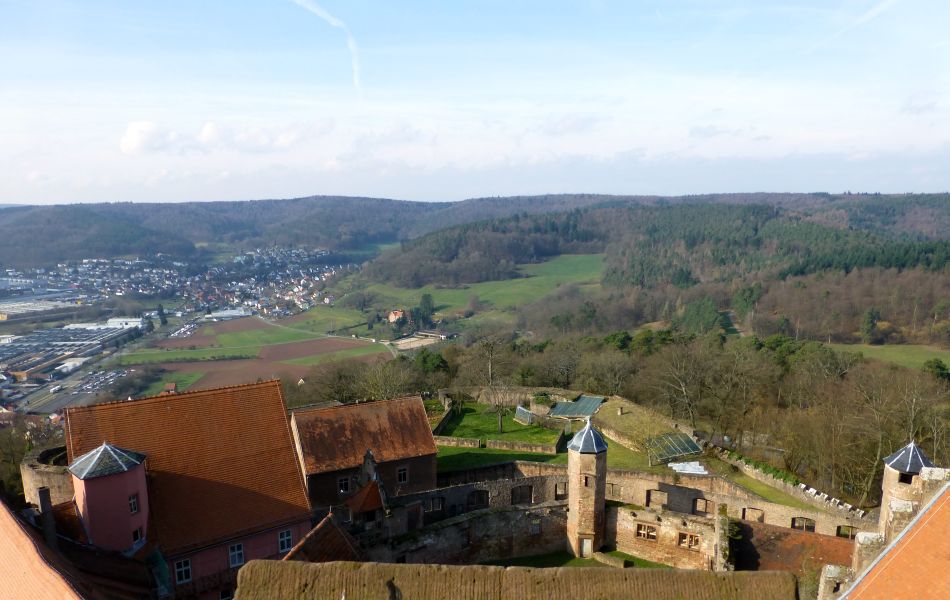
{"type": "Point", "coordinates": [273, 580]}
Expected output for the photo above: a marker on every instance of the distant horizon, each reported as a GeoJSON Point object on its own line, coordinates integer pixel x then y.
{"type": "Point", "coordinates": [540, 195]}
{"type": "Point", "coordinates": [111, 101]}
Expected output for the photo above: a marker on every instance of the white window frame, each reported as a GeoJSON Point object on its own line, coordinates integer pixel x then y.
{"type": "Point", "coordinates": [285, 540]}
{"type": "Point", "coordinates": [136, 535]}
{"type": "Point", "coordinates": [182, 567]}
{"type": "Point", "coordinates": [236, 555]}
{"type": "Point", "coordinates": [134, 504]}
{"type": "Point", "coordinates": [343, 484]}
{"type": "Point", "coordinates": [402, 475]}
{"type": "Point", "coordinates": [646, 532]}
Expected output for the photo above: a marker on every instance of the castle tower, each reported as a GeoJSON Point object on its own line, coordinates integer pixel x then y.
{"type": "Point", "coordinates": [111, 497]}
{"type": "Point", "coordinates": [587, 483]}
{"type": "Point", "coordinates": [901, 489]}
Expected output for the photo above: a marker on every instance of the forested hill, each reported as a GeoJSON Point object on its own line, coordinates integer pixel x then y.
{"type": "Point", "coordinates": [40, 235]}
{"type": "Point", "coordinates": [682, 244]}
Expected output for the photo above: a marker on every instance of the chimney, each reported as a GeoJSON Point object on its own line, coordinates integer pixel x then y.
{"type": "Point", "coordinates": [46, 516]}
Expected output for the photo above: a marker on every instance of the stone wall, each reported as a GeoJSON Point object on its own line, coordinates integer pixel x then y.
{"type": "Point", "coordinates": [528, 447]}
{"type": "Point", "coordinates": [35, 472]}
{"type": "Point", "coordinates": [480, 536]}
{"type": "Point", "coordinates": [440, 426]}
{"type": "Point", "coordinates": [445, 440]}
{"type": "Point", "coordinates": [702, 495]}
{"type": "Point", "coordinates": [664, 537]}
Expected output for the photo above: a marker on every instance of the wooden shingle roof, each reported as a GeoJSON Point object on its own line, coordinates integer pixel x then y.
{"type": "Point", "coordinates": [220, 462]}
{"type": "Point", "coordinates": [335, 438]}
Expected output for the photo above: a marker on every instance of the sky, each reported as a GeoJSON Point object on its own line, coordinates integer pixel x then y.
{"type": "Point", "coordinates": [171, 101]}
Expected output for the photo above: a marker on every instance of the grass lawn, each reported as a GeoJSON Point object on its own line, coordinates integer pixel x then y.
{"type": "Point", "coordinates": [714, 465]}
{"type": "Point", "coordinates": [184, 381]}
{"type": "Point", "coordinates": [476, 422]}
{"type": "Point", "coordinates": [637, 423]}
{"type": "Point", "coordinates": [641, 563]}
{"type": "Point", "coordinates": [328, 357]}
{"type": "Point", "coordinates": [323, 318]}
{"type": "Point", "coordinates": [905, 355]}
{"type": "Point", "coordinates": [540, 280]}
{"type": "Point", "coordinates": [153, 355]}
{"type": "Point", "coordinates": [450, 458]}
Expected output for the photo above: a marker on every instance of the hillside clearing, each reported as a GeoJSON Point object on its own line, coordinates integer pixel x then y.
{"type": "Point", "coordinates": [904, 355]}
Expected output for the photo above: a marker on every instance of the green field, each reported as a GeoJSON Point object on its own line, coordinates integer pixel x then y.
{"type": "Point", "coordinates": [539, 280]}
{"type": "Point", "coordinates": [184, 381]}
{"type": "Point", "coordinates": [156, 355]}
{"type": "Point", "coordinates": [905, 355]}
{"type": "Point", "coordinates": [476, 422]}
{"type": "Point", "coordinates": [328, 357]}
{"type": "Point", "coordinates": [323, 318]}
{"type": "Point", "coordinates": [719, 467]}
{"type": "Point", "coordinates": [263, 337]}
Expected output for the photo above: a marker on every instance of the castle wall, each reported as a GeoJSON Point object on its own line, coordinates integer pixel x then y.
{"type": "Point", "coordinates": [35, 473]}
{"type": "Point", "coordinates": [480, 536]}
{"type": "Point", "coordinates": [659, 538]}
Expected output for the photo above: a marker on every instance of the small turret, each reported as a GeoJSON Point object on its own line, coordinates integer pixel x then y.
{"type": "Point", "coordinates": [901, 489]}
{"type": "Point", "coordinates": [587, 483]}
{"type": "Point", "coordinates": [111, 496]}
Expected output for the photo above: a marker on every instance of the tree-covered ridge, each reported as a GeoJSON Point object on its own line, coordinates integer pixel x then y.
{"type": "Point", "coordinates": [646, 246]}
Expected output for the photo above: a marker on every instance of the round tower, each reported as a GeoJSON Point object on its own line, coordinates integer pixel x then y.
{"type": "Point", "coordinates": [901, 491]}
{"type": "Point", "coordinates": [587, 483]}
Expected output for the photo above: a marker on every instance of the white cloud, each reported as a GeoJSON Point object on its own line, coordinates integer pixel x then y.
{"type": "Point", "coordinates": [140, 136]}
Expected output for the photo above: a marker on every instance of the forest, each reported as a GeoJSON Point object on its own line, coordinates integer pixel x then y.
{"type": "Point", "coordinates": [182, 229]}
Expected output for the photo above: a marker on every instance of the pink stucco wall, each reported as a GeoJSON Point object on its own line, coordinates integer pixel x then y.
{"type": "Point", "coordinates": [103, 504]}
{"type": "Point", "coordinates": [210, 562]}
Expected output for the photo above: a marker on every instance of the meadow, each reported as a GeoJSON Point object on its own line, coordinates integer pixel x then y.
{"type": "Point", "coordinates": [904, 355]}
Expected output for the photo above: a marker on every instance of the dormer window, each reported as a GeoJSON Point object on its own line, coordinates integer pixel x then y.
{"type": "Point", "coordinates": [134, 504]}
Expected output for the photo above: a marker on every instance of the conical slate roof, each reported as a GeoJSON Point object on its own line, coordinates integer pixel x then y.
{"type": "Point", "coordinates": [588, 441]}
{"type": "Point", "coordinates": [105, 460]}
{"type": "Point", "coordinates": [909, 459]}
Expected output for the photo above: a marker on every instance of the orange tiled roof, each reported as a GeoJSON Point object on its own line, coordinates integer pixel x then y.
{"type": "Point", "coordinates": [28, 569]}
{"type": "Point", "coordinates": [916, 564]}
{"type": "Point", "coordinates": [220, 462]}
{"type": "Point", "coordinates": [367, 499]}
{"type": "Point", "coordinates": [330, 439]}
{"type": "Point", "coordinates": [325, 543]}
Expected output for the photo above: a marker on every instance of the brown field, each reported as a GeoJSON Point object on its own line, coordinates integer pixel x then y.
{"type": "Point", "coordinates": [268, 365]}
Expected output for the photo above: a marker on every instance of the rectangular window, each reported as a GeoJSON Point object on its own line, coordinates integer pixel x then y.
{"type": "Point", "coordinates": [344, 484]}
{"type": "Point", "coordinates": [535, 526]}
{"type": "Point", "coordinates": [587, 480]}
{"type": "Point", "coordinates": [136, 534]}
{"type": "Point", "coordinates": [236, 555]}
{"type": "Point", "coordinates": [846, 531]}
{"type": "Point", "coordinates": [560, 491]}
{"type": "Point", "coordinates": [183, 570]}
{"type": "Point", "coordinates": [906, 478]}
{"type": "Point", "coordinates": [285, 541]}
{"type": "Point", "coordinates": [134, 504]}
{"type": "Point", "coordinates": [689, 541]}
{"type": "Point", "coordinates": [434, 504]}
{"type": "Point", "coordinates": [646, 532]}
{"type": "Point", "coordinates": [402, 475]}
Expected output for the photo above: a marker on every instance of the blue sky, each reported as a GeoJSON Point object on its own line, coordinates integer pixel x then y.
{"type": "Point", "coordinates": [215, 100]}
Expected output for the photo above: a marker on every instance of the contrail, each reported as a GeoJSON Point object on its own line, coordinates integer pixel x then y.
{"type": "Point", "coordinates": [334, 22]}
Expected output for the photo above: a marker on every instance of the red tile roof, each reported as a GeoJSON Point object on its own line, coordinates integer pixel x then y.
{"type": "Point", "coordinates": [783, 549]}
{"type": "Point", "coordinates": [335, 438]}
{"type": "Point", "coordinates": [325, 543]}
{"type": "Point", "coordinates": [220, 462]}
{"type": "Point", "coordinates": [28, 569]}
{"type": "Point", "coordinates": [367, 499]}
{"type": "Point", "coordinates": [916, 564]}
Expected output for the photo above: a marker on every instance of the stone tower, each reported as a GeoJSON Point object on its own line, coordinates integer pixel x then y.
{"type": "Point", "coordinates": [587, 483]}
{"type": "Point", "coordinates": [901, 489]}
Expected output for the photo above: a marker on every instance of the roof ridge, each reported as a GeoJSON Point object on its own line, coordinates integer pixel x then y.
{"type": "Point", "coordinates": [167, 396]}
{"type": "Point", "coordinates": [305, 409]}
